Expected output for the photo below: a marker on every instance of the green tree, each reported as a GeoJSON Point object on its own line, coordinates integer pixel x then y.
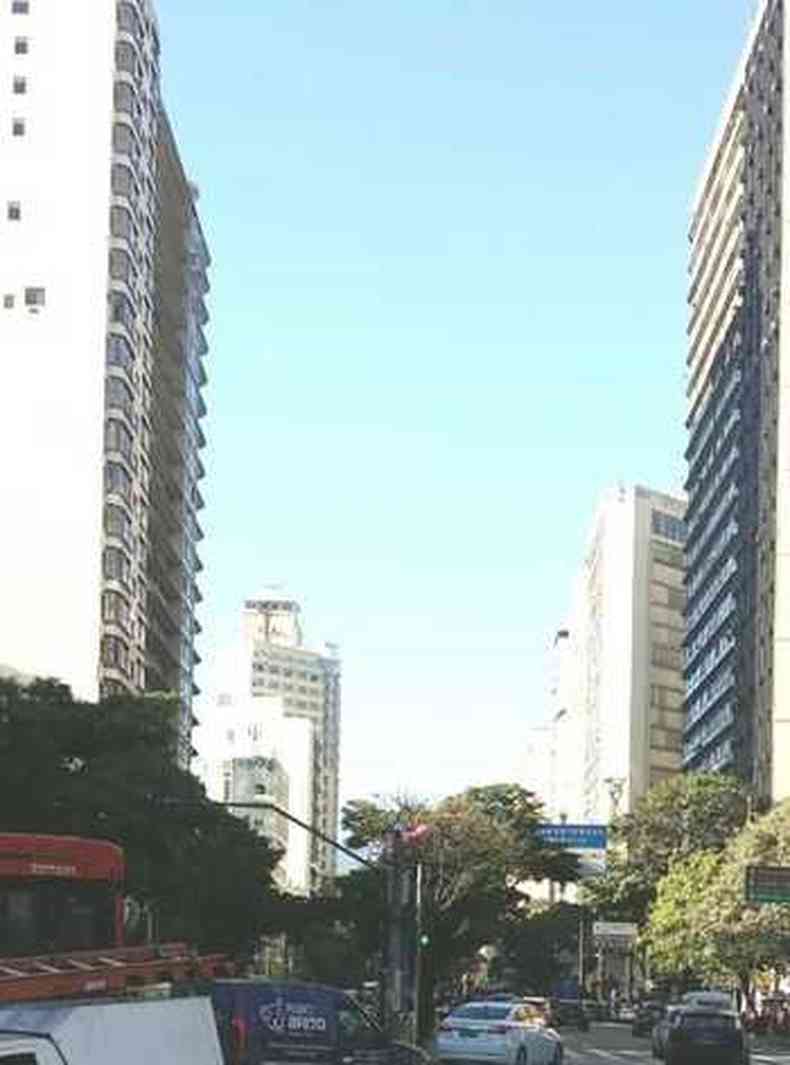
{"type": "Point", "coordinates": [479, 847]}
{"type": "Point", "coordinates": [539, 944]}
{"type": "Point", "coordinates": [107, 771]}
{"type": "Point", "coordinates": [701, 919]}
{"type": "Point", "coordinates": [676, 935]}
{"type": "Point", "coordinates": [678, 817]}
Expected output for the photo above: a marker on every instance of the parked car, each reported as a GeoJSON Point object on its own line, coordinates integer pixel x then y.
{"type": "Point", "coordinates": [570, 1012]}
{"type": "Point", "coordinates": [647, 1016]}
{"type": "Point", "coordinates": [260, 1020]}
{"type": "Point", "coordinates": [661, 1029]}
{"type": "Point", "coordinates": [702, 1036]}
{"type": "Point", "coordinates": [511, 1033]}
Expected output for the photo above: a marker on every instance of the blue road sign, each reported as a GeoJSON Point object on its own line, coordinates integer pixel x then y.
{"type": "Point", "coordinates": [575, 837]}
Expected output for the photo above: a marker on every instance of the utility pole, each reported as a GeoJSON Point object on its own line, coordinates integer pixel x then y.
{"type": "Point", "coordinates": [395, 905]}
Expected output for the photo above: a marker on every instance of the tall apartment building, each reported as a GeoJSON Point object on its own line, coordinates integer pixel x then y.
{"type": "Point", "coordinates": [280, 669]}
{"type": "Point", "coordinates": [102, 284]}
{"type": "Point", "coordinates": [738, 644]}
{"type": "Point", "coordinates": [624, 670]}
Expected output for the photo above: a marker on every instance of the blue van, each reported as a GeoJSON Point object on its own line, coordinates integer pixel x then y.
{"type": "Point", "coordinates": [269, 1021]}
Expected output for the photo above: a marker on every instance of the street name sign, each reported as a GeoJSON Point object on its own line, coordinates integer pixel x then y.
{"type": "Point", "coordinates": [614, 930]}
{"type": "Point", "coordinates": [768, 883]}
{"type": "Point", "coordinates": [575, 837]}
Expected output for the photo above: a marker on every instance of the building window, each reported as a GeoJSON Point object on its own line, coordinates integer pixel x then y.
{"type": "Point", "coordinates": [114, 653]}
{"type": "Point", "coordinates": [668, 526]}
{"type": "Point", "coordinates": [8, 301]}
{"type": "Point", "coordinates": [20, 7]}
{"type": "Point", "coordinates": [21, 46]}
{"type": "Point", "coordinates": [19, 86]}
{"type": "Point", "coordinates": [115, 565]}
{"type": "Point", "coordinates": [14, 211]}
{"type": "Point", "coordinates": [18, 127]}
{"type": "Point", "coordinates": [35, 297]}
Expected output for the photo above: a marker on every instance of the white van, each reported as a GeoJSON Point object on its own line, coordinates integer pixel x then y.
{"type": "Point", "coordinates": [101, 1032]}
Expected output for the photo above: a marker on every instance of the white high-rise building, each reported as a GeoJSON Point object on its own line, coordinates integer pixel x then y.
{"type": "Point", "coordinates": [554, 761]}
{"type": "Point", "coordinates": [276, 699]}
{"type": "Point", "coordinates": [624, 661]}
{"type": "Point", "coordinates": [102, 279]}
{"type": "Point", "coordinates": [280, 667]}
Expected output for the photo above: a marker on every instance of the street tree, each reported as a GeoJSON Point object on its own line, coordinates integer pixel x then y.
{"type": "Point", "coordinates": [477, 851]}
{"type": "Point", "coordinates": [681, 816]}
{"type": "Point", "coordinates": [538, 945]}
{"type": "Point", "coordinates": [109, 771]}
{"type": "Point", "coordinates": [677, 932]}
{"type": "Point", "coordinates": [725, 936]}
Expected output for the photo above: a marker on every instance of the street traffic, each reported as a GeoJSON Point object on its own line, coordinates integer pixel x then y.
{"type": "Point", "coordinates": [613, 1043]}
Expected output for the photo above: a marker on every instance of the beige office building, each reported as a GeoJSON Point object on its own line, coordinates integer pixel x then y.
{"type": "Point", "coordinates": [619, 728]}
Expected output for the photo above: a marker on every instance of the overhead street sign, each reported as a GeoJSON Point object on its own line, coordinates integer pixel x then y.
{"type": "Point", "coordinates": [620, 930]}
{"type": "Point", "coordinates": [768, 883]}
{"type": "Point", "coordinates": [574, 837]}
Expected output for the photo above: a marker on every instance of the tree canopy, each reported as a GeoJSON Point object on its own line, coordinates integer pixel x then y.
{"type": "Point", "coordinates": [107, 771]}
{"type": "Point", "coordinates": [701, 921]}
{"type": "Point", "coordinates": [477, 850]}
{"type": "Point", "coordinates": [677, 818]}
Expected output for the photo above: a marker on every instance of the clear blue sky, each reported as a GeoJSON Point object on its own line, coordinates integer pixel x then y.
{"type": "Point", "coordinates": [448, 308]}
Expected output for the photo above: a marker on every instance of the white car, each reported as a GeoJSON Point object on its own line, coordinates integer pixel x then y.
{"type": "Point", "coordinates": [514, 1033]}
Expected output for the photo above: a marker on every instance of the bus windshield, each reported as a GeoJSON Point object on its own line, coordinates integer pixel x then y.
{"type": "Point", "coordinates": [41, 916]}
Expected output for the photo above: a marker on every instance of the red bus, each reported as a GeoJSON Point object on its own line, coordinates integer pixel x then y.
{"type": "Point", "coordinates": [59, 893]}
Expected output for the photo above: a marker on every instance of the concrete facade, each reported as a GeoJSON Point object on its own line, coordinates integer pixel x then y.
{"type": "Point", "coordinates": [102, 274]}
{"type": "Point", "coordinates": [618, 723]}
{"type": "Point", "coordinates": [279, 666]}
{"type": "Point", "coordinates": [738, 644]}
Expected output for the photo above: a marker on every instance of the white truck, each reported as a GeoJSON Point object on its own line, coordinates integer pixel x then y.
{"type": "Point", "coordinates": [179, 1031]}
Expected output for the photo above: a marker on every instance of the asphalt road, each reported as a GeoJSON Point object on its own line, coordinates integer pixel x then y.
{"type": "Point", "coordinates": [613, 1044]}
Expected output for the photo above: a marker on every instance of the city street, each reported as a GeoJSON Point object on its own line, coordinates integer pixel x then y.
{"type": "Point", "coordinates": [614, 1043]}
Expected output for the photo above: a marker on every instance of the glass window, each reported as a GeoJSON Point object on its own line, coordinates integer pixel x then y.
{"type": "Point", "coordinates": [115, 609]}
{"type": "Point", "coordinates": [18, 127]}
{"type": "Point", "coordinates": [21, 46]}
{"type": "Point", "coordinates": [118, 438]}
{"type": "Point", "coordinates": [20, 7]}
{"type": "Point", "coordinates": [122, 309]}
{"type": "Point", "coordinates": [123, 140]}
{"type": "Point", "coordinates": [118, 394]}
{"type": "Point", "coordinates": [123, 181]}
{"type": "Point", "coordinates": [35, 297]}
{"type": "Point", "coordinates": [14, 211]}
{"type": "Point", "coordinates": [114, 653]}
{"type": "Point", "coordinates": [117, 480]}
{"type": "Point", "coordinates": [128, 22]}
{"type": "Point", "coordinates": [125, 58]}
{"type": "Point", "coordinates": [8, 301]}
{"type": "Point", "coordinates": [19, 86]}
{"type": "Point", "coordinates": [121, 224]}
{"type": "Point", "coordinates": [668, 526]}
{"type": "Point", "coordinates": [121, 266]}
{"type": "Point", "coordinates": [119, 352]}
{"type": "Point", "coordinates": [117, 522]}
{"type": "Point", "coordinates": [115, 565]}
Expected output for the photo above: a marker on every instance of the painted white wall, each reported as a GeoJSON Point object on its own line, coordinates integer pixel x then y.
{"type": "Point", "coordinates": [52, 363]}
